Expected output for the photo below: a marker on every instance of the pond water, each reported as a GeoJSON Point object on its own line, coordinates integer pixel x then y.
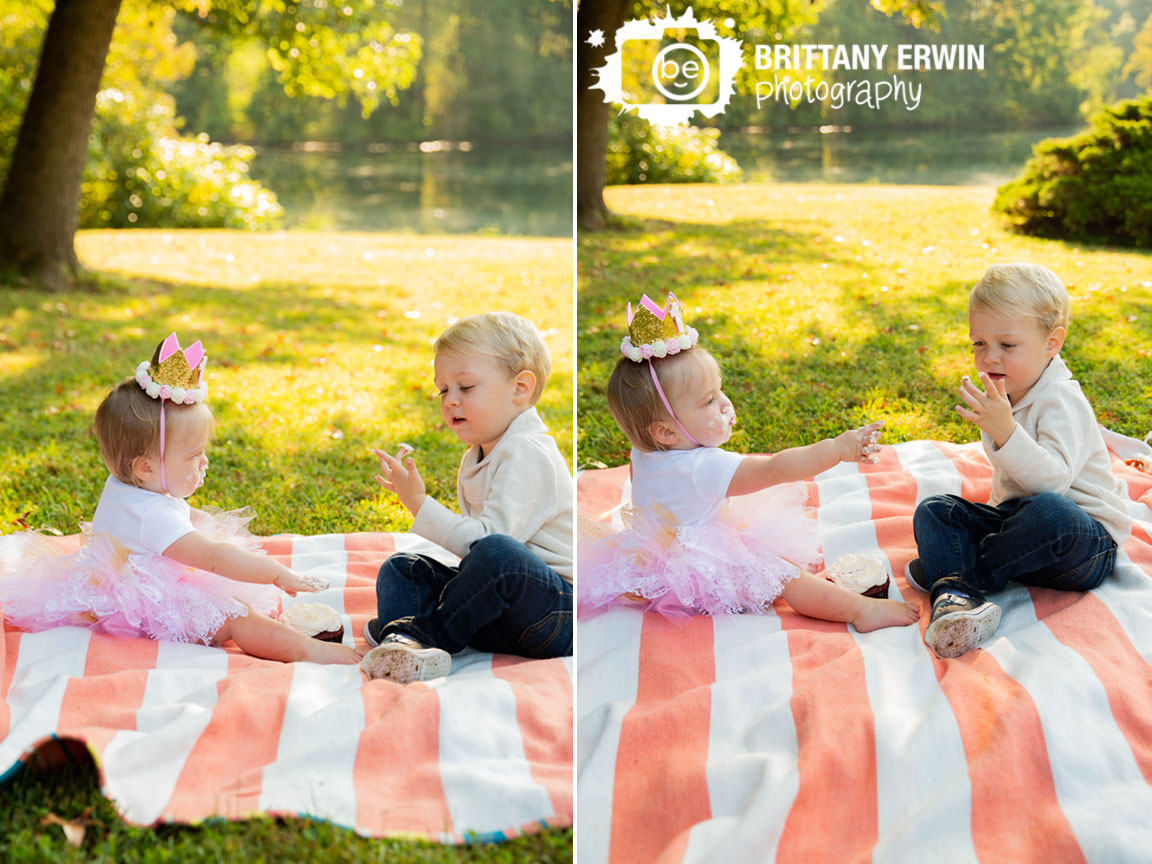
{"type": "Point", "coordinates": [944, 157]}
{"type": "Point", "coordinates": [520, 191]}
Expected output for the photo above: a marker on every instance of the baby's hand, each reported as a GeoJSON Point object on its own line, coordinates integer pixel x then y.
{"type": "Point", "coordinates": [861, 445]}
{"type": "Point", "coordinates": [294, 582]}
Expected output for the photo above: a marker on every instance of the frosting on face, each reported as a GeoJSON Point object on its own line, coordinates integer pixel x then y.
{"type": "Point", "coordinates": [312, 618]}
{"type": "Point", "coordinates": [858, 572]}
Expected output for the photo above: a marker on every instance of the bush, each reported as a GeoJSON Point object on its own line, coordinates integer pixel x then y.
{"type": "Point", "coordinates": [139, 174]}
{"type": "Point", "coordinates": [1095, 186]}
{"type": "Point", "coordinates": [641, 153]}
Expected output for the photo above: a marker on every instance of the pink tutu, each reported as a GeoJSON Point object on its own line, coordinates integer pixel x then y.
{"type": "Point", "coordinates": [739, 561]}
{"type": "Point", "coordinates": [108, 589]}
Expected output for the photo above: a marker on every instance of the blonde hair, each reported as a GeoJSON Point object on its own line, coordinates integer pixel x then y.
{"type": "Point", "coordinates": [1022, 291]}
{"type": "Point", "coordinates": [128, 426]}
{"type": "Point", "coordinates": [514, 342]}
{"type": "Point", "coordinates": [632, 398]}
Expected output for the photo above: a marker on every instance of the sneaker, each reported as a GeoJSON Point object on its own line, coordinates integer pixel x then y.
{"type": "Point", "coordinates": [960, 623]}
{"type": "Point", "coordinates": [374, 632]}
{"type": "Point", "coordinates": [402, 659]}
{"type": "Point", "coordinates": [914, 573]}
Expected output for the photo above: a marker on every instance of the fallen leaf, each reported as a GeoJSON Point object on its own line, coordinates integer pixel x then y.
{"type": "Point", "coordinates": [73, 829]}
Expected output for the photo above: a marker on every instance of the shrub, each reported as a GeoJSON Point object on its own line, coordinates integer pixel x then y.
{"type": "Point", "coordinates": [641, 153]}
{"type": "Point", "coordinates": [140, 174]}
{"type": "Point", "coordinates": [1095, 186]}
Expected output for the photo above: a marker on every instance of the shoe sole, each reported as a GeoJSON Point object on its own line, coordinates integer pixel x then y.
{"type": "Point", "coordinates": [372, 643]}
{"type": "Point", "coordinates": [912, 581]}
{"type": "Point", "coordinates": [957, 633]}
{"type": "Point", "coordinates": [405, 665]}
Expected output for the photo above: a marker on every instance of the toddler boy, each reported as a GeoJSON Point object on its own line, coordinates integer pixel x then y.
{"type": "Point", "coordinates": [1057, 513]}
{"type": "Point", "coordinates": [511, 592]}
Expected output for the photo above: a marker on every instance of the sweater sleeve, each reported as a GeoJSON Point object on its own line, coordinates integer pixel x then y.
{"type": "Point", "coordinates": [1052, 460]}
{"type": "Point", "coordinates": [524, 495]}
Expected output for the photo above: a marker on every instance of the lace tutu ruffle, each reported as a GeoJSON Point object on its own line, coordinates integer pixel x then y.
{"type": "Point", "coordinates": [739, 561]}
{"type": "Point", "coordinates": [110, 590]}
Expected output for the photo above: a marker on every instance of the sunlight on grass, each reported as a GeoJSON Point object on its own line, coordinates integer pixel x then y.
{"type": "Point", "coordinates": [319, 349]}
{"type": "Point", "coordinates": [830, 305]}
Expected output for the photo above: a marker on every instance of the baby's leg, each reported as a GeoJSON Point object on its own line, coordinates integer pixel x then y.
{"type": "Point", "coordinates": [818, 598]}
{"type": "Point", "coordinates": [260, 636]}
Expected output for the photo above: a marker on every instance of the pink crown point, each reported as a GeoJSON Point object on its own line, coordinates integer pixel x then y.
{"type": "Point", "coordinates": [651, 306]}
{"type": "Point", "coordinates": [194, 354]}
{"type": "Point", "coordinates": [169, 347]}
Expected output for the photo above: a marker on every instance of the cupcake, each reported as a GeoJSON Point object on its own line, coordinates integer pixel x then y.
{"type": "Point", "coordinates": [862, 574]}
{"type": "Point", "coordinates": [315, 620]}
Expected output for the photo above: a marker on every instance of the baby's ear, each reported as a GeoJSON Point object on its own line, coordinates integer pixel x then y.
{"type": "Point", "coordinates": [1056, 341]}
{"type": "Point", "coordinates": [662, 433]}
{"type": "Point", "coordinates": [525, 382]}
{"type": "Point", "coordinates": [143, 469]}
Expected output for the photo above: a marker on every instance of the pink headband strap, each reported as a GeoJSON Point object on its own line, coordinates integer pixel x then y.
{"type": "Point", "coordinates": [668, 405]}
{"type": "Point", "coordinates": [163, 479]}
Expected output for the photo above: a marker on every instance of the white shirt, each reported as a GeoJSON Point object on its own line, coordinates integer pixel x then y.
{"type": "Point", "coordinates": [1057, 447]}
{"type": "Point", "coordinates": [141, 520]}
{"type": "Point", "coordinates": [691, 484]}
{"type": "Point", "coordinates": [522, 489]}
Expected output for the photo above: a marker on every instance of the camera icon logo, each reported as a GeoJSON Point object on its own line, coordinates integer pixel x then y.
{"type": "Point", "coordinates": [671, 68]}
{"type": "Point", "coordinates": [681, 71]}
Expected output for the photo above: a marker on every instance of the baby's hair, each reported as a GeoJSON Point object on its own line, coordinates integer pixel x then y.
{"type": "Point", "coordinates": [632, 398]}
{"type": "Point", "coordinates": [1022, 291]}
{"type": "Point", "coordinates": [513, 341]}
{"type": "Point", "coordinates": [128, 426]}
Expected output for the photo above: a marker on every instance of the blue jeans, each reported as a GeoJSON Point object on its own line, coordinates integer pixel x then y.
{"type": "Point", "coordinates": [501, 598]}
{"type": "Point", "coordinates": [1045, 540]}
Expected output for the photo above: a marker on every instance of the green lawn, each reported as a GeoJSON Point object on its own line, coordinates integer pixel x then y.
{"type": "Point", "coordinates": [319, 349]}
{"type": "Point", "coordinates": [831, 305]}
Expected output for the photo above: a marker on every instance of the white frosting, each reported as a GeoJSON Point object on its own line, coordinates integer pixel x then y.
{"type": "Point", "coordinates": [312, 618]}
{"type": "Point", "coordinates": [858, 572]}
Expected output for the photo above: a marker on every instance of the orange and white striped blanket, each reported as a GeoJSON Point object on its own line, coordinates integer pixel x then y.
{"type": "Point", "coordinates": [182, 733]}
{"type": "Point", "coordinates": [781, 738]}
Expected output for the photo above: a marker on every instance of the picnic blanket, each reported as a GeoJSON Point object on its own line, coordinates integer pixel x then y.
{"type": "Point", "coordinates": [749, 738]}
{"type": "Point", "coordinates": [182, 733]}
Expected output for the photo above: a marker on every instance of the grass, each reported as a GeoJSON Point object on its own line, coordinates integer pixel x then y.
{"type": "Point", "coordinates": [72, 794]}
{"type": "Point", "coordinates": [319, 349]}
{"type": "Point", "coordinates": [828, 306]}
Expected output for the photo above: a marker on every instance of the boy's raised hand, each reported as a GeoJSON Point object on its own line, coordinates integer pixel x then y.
{"type": "Point", "coordinates": [989, 408]}
{"type": "Point", "coordinates": [401, 476]}
{"type": "Point", "coordinates": [861, 445]}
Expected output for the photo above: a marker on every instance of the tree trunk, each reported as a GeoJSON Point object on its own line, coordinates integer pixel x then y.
{"type": "Point", "coordinates": [606, 16]}
{"type": "Point", "coordinates": [39, 210]}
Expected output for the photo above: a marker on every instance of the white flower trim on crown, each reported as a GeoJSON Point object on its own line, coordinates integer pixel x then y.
{"type": "Point", "coordinates": [162, 391]}
{"type": "Point", "coordinates": [659, 348]}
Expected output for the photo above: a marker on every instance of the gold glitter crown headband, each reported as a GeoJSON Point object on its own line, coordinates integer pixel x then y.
{"type": "Point", "coordinates": [174, 373]}
{"type": "Point", "coordinates": [656, 332]}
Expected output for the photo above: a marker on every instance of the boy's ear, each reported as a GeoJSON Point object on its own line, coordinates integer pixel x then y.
{"type": "Point", "coordinates": [1056, 341]}
{"type": "Point", "coordinates": [143, 469]}
{"type": "Point", "coordinates": [525, 386]}
{"type": "Point", "coordinates": [662, 433]}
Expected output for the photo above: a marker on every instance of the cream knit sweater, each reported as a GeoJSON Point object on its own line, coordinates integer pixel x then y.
{"type": "Point", "coordinates": [522, 488]}
{"type": "Point", "coordinates": [1057, 447]}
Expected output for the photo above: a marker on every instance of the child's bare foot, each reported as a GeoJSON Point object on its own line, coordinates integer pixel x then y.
{"type": "Point", "coordinates": [332, 652]}
{"type": "Point", "coordinates": [878, 613]}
